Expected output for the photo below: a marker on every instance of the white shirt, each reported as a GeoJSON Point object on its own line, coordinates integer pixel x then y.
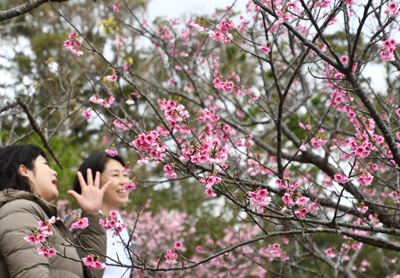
{"type": "Point", "coordinates": [114, 246]}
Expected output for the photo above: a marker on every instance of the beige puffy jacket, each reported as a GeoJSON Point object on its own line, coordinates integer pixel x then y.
{"type": "Point", "coordinates": [20, 213]}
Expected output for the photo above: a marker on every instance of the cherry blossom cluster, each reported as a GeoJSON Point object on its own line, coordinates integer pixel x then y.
{"type": "Point", "coordinates": [218, 131]}
{"type": "Point", "coordinates": [255, 167]}
{"type": "Point", "coordinates": [120, 41]}
{"type": "Point", "coordinates": [122, 126]}
{"type": "Point", "coordinates": [338, 98]}
{"type": "Point", "coordinates": [340, 178]}
{"type": "Point", "coordinates": [293, 199]}
{"type": "Point", "coordinates": [35, 238]}
{"type": "Point", "coordinates": [274, 251]}
{"type": "Point", "coordinates": [111, 222]}
{"type": "Point", "coordinates": [392, 10]}
{"type": "Point", "coordinates": [318, 142]}
{"type": "Point", "coordinates": [130, 186]}
{"type": "Point", "coordinates": [171, 257]}
{"type": "Point", "coordinates": [44, 230]}
{"type": "Point", "coordinates": [170, 173]}
{"type": "Point", "coordinates": [259, 199]}
{"type": "Point", "coordinates": [387, 51]}
{"type": "Point", "coordinates": [209, 181]}
{"type": "Point", "coordinates": [226, 86]}
{"type": "Point", "coordinates": [80, 223]}
{"type": "Point", "coordinates": [73, 44]}
{"type": "Point", "coordinates": [93, 262]}
{"type": "Point", "coordinates": [287, 184]}
{"type": "Point", "coordinates": [244, 141]}
{"type": "Point", "coordinates": [195, 25]}
{"type": "Point", "coordinates": [104, 102]}
{"type": "Point", "coordinates": [223, 37]}
{"type": "Point", "coordinates": [46, 251]}
{"type": "Point", "coordinates": [207, 152]}
{"type": "Point", "coordinates": [150, 143]}
{"type": "Point", "coordinates": [176, 115]}
{"type": "Point", "coordinates": [112, 151]}
{"type": "Point", "coordinates": [39, 236]}
{"type": "Point", "coordinates": [208, 116]}
{"type": "Point", "coordinates": [365, 178]}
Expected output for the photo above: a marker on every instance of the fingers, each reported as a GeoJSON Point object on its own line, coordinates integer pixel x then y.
{"type": "Point", "coordinates": [89, 177]}
{"type": "Point", "coordinates": [73, 193]}
{"type": "Point", "coordinates": [81, 180]}
{"type": "Point", "coordinates": [97, 180]}
{"type": "Point", "coordinates": [105, 186]}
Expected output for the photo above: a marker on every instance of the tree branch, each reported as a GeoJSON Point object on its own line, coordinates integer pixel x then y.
{"type": "Point", "coordinates": [23, 9]}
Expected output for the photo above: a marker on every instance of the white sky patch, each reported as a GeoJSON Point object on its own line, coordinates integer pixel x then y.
{"type": "Point", "coordinates": [183, 9]}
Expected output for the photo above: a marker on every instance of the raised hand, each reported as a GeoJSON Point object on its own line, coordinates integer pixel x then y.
{"type": "Point", "coordinates": [91, 198]}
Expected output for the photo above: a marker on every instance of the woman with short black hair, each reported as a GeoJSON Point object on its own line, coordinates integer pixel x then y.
{"type": "Point", "coordinates": [111, 168]}
{"type": "Point", "coordinates": [27, 186]}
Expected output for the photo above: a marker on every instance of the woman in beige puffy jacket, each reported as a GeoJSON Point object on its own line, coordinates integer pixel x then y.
{"type": "Point", "coordinates": [27, 186]}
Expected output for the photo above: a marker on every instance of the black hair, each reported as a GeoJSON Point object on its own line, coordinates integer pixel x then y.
{"type": "Point", "coordinates": [96, 162]}
{"type": "Point", "coordinates": [10, 160]}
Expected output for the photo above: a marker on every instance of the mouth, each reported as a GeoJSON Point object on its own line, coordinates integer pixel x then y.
{"type": "Point", "coordinates": [121, 191]}
{"type": "Point", "coordinates": [55, 182]}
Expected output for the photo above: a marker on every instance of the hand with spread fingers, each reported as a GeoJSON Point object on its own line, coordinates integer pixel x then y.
{"type": "Point", "coordinates": [91, 197]}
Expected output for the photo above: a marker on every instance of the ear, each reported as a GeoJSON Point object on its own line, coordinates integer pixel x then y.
{"type": "Point", "coordinates": [23, 171]}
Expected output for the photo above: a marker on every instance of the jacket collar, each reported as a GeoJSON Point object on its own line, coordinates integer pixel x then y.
{"type": "Point", "coordinates": [12, 195]}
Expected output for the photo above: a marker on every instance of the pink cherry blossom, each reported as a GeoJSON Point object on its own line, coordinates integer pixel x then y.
{"type": "Point", "coordinates": [288, 199]}
{"type": "Point", "coordinates": [344, 59]}
{"type": "Point", "coordinates": [112, 152]}
{"type": "Point", "coordinates": [340, 178]}
{"type": "Point", "coordinates": [316, 143]}
{"type": "Point", "coordinates": [46, 252]}
{"type": "Point", "coordinates": [130, 101]}
{"type": "Point", "coordinates": [171, 257]}
{"type": "Point", "coordinates": [264, 48]}
{"type": "Point", "coordinates": [170, 172]}
{"type": "Point", "coordinates": [362, 209]}
{"type": "Point", "coordinates": [130, 186]}
{"type": "Point", "coordinates": [35, 238]}
{"type": "Point", "coordinates": [82, 223]}
{"type": "Point", "coordinates": [389, 46]}
{"type": "Point", "coordinates": [210, 192]}
{"type": "Point", "coordinates": [301, 212]}
{"type": "Point", "coordinates": [302, 201]}
{"type": "Point", "coordinates": [91, 261]}
{"type": "Point", "coordinates": [365, 179]}
{"type": "Point", "coordinates": [330, 253]}
{"type": "Point", "coordinates": [112, 78]}
{"type": "Point", "coordinates": [126, 169]}
{"type": "Point", "coordinates": [87, 114]}
{"type": "Point", "coordinates": [73, 44]}
{"type": "Point", "coordinates": [178, 244]}
{"type": "Point", "coordinates": [259, 199]}
{"type": "Point", "coordinates": [77, 52]}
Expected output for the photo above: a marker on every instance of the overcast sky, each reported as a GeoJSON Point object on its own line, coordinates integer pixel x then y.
{"type": "Point", "coordinates": [184, 8]}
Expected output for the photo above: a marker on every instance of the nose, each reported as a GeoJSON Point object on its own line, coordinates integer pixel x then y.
{"type": "Point", "coordinates": [55, 173]}
{"type": "Point", "coordinates": [125, 180]}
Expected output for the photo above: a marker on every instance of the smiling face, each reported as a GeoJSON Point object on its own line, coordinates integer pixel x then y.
{"type": "Point", "coordinates": [43, 179]}
{"type": "Point", "coordinates": [115, 195]}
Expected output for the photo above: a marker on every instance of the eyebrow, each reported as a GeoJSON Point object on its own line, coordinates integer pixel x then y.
{"type": "Point", "coordinates": [116, 170]}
